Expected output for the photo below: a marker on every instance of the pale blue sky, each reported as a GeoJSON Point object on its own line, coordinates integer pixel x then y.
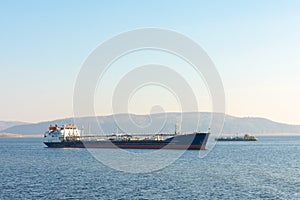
{"type": "Point", "coordinates": [255, 45]}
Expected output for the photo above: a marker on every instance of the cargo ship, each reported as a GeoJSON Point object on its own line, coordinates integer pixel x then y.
{"type": "Point", "coordinates": [246, 137]}
{"type": "Point", "coordinates": [69, 136]}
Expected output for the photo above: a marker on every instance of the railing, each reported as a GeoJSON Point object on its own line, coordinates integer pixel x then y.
{"type": "Point", "coordinates": [118, 136]}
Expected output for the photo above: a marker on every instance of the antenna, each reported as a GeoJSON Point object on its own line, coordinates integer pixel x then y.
{"type": "Point", "coordinates": [82, 131]}
{"type": "Point", "coordinates": [89, 131]}
{"type": "Point", "coordinates": [176, 127]}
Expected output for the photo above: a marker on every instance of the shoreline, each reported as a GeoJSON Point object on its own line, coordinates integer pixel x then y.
{"type": "Point", "coordinates": [14, 135]}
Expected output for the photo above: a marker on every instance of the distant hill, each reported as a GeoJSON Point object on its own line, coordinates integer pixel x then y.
{"type": "Point", "coordinates": [163, 122]}
{"type": "Point", "coordinates": [7, 124]}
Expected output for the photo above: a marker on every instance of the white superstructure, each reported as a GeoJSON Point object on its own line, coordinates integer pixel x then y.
{"type": "Point", "coordinates": [59, 134]}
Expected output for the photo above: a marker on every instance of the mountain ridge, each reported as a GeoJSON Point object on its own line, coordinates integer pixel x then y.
{"type": "Point", "coordinates": [7, 124]}
{"type": "Point", "coordinates": [159, 122]}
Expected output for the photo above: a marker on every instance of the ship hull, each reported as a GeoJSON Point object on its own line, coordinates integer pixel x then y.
{"type": "Point", "coordinates": [233, 140]}
{"type": "Point", "coordinates": [195, 141]}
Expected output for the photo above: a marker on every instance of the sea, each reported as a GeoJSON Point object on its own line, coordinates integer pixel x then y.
{"type": "Point", "coordinates": [267, 169]}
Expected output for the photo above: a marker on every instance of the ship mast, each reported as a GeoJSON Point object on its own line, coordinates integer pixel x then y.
{"type": "Point", "coordinates": [176, 128]}
{"type": "Point", "coordinates": [89, 131]}
{"type": "Point", "coordinates": [82, 131]}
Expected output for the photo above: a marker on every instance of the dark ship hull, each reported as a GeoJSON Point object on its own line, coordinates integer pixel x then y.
{"type": "Point", "coordinates": [194, 141]}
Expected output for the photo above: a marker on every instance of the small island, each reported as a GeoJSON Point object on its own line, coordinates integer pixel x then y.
{"type": "Point", "coordinates": [246, 137]}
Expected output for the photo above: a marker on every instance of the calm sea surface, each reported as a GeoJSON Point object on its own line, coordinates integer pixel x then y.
{"type": "Point", "coordinates": [267, 169]}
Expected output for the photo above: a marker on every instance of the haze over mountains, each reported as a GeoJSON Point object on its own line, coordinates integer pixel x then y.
{"type": "Point", "coordinates": [162, 122]}
{"type": "Point", "coordinates": [7, 124]}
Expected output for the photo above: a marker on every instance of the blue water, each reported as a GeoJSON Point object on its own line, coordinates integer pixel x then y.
{"type": "Point", "coordinates": [267, 169]}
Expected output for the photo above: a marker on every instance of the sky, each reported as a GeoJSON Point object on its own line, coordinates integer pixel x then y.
{"type": "Point", "coordinates": [254, 45]}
